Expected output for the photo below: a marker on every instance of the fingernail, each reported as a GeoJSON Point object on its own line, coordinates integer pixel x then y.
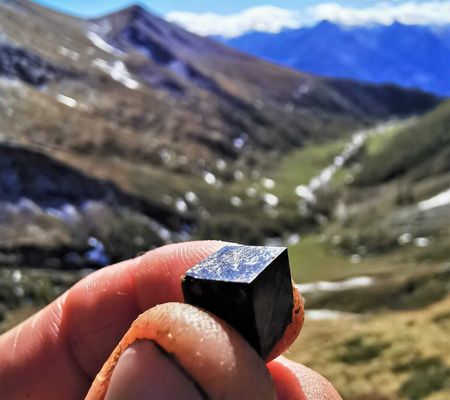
{"type": "Point", "coordinates": [145, 372]}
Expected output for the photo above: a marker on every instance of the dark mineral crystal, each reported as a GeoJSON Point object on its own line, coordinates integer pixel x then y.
{"type": "Point", "coordinates": [247, 286]}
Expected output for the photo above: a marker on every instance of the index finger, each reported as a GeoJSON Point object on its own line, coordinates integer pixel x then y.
{"type": "Point", "coordinates": [71, 338]}
{"type": "Point", "coordinates": [100, 309]}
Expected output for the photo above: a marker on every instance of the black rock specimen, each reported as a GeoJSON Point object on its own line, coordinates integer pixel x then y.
{"type": "Point", "coordinates": [249, 287]}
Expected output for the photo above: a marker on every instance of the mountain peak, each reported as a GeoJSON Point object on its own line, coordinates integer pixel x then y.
{"type": "Point", "coordinates": [327, 24]}
{"type": "Point", "coordinates": [136, 10]}
{"type": "Point", "coordinates": [327, 27]}
{"type": "Point", "coordinates": [130, 13]}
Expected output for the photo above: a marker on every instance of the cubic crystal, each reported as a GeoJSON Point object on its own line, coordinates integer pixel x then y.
{"type": "Point", "coordinates": [249, 287]}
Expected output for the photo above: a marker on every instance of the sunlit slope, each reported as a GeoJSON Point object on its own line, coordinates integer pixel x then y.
{"type": "Point", "coordinates": [418, 151]}
{"type": "Point", "coordinates": [395, 194]}
{"type": "Point", "coordinates": [394, 356]}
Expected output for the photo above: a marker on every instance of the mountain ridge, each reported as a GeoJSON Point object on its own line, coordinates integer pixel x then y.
{"type": "Point", "coordinates": [408, 55]}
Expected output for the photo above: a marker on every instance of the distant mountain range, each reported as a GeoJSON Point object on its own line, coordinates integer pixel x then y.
{"type": "Point", "coordinates": [407, 55]}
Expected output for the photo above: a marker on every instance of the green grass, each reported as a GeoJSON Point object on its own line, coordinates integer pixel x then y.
{"type": "Point", "coordinates": [339, 178]}
{"type": "Point", "coordinates": [378, 143]}
{"type": "Point", "coordinates": [300, 166]}
{"type": "Point", "coordinates": [314, 259]}
{"type": "Point", "coordinates": [296, 168]}
{"type": "Point", "coordinates": [249, 223]}
{"type": "Point", "coordinates": [427, 143]}
{"type": "Point", "coordinates": [360, 349]}
{"type": "Point", "coordinates": [311, 260]}
{"type": "Point", "coordinates": [427, 375]}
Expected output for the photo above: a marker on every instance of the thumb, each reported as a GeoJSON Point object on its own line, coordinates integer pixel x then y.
{"type": "Point", "coordinates": [145, 371]}
{"type": "Point", "coordinates": [208, 359]}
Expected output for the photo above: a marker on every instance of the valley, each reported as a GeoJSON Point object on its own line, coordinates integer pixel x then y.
{"type": "Point", "coordinates": [360, 298]}
{"type": "Point", "coordinates": [156, 122]}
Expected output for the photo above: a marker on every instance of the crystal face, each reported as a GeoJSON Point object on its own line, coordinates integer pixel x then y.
{"type": "Point", "coordinates": [247, 286]}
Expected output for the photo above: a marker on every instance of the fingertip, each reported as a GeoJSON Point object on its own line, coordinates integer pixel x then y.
{"type": "Point", "coordinates": [296, 382]}
{"type": "Point", "coordinates": [144, 371]}
{"type": "Point", "coordinates": [287, 384]}
{"type": "Point", "coordinates": [212, 353]}
{"type": "Point", "coordinates": [158, 272]}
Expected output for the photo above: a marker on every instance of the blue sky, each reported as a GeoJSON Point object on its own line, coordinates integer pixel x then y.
{"type": "Point", "coordinates": [232, 18]}
{"type": "Point", "coordinates": [96, 7]}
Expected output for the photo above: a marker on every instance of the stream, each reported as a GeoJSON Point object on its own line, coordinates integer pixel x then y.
{"type": "Point", "coordinates": [308, 192]}
{"type": "Point", "coordinates": [307, 199]}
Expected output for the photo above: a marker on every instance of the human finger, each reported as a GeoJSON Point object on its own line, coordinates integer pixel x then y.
{"type": "Point", "coordinates": [296, 382]}
{"type": "Point", "coordinates": [61, 348]}
{"type": "Point", "coordinates": [219, 361]}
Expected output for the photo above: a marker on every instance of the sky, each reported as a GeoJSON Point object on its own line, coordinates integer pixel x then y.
{"type": "Point", "coordinates": [97, 7]}
{"type": "Point", "coordinates": [231, 18]}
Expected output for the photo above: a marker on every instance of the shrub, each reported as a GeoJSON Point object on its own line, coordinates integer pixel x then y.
{"type": "Point", "coordinates": [358, 350]}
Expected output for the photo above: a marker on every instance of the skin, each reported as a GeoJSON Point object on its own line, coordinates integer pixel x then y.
{"type": "Point", "coordinates": [61, 348]}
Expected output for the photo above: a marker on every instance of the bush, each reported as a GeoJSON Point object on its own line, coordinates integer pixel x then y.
{"type": "Point", "coordinates": [358, 350]}
{"type": "Point", "coordinates": [427, 375]}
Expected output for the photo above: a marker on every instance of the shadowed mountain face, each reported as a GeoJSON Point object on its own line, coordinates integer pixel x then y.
{"type": "Point", "coordinates": [171, 83]}
{"type": "Point", "coordinates": [150, 126]}
{"type": "Point", "coordinates": [52, 184]}
{"type": "Point", "coordinates": [22, 64]}
{"type": "Point", "coordinates": [407, 55]}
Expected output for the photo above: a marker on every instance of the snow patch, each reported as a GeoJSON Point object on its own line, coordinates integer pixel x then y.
{"type": "Point", "coordinates": [441, 199]}
{"type": "Point", "coordinates": [209, 178]}
{"type": "Point", "coordinates": [325, 286]}
{"type": "Point", "coordinates": [236, 201]}
{"type": "Point", "coordinates": [270, 199]}
{"type": "Point", "coordinates": [421, 242]}
{"type": "Point", "coordinates": [64, 51]}
{"type": "Point", "coordinates": [118, 71]}
{"type": "Point", "coordinates": [66, 100]}
{"type": "Point", "coordinates": [319, 315]}
{"type": "Point", "coordinates": [102, 45]}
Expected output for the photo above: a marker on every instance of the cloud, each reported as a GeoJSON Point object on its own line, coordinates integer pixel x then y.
{"type": "Point", "coordinates": [274, 19]}
{"type": "Point", "coordinates": [413, 13]}
{"type": "Point", "coordinates": [263, 19]}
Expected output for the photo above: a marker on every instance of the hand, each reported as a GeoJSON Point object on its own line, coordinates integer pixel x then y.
{"type": "Point", "coordinates": [56, 353]}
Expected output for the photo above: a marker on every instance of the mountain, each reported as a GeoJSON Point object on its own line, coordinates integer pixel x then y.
{"type": "Point", "coordinates": [407, 55]}
{"type": "Point", "coordinates": [125, 132]}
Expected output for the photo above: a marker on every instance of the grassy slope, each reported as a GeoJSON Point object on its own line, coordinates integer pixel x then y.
{"type": "Point", "coordinates": [391, 355]}
{"type": "Point", "coordinates": [388, 355]}
{"type": "Point", "coordinates": [428, 148]}
{"type": "Point", "coordinates": [388, 183]}
{"type": "Point", "coordinates": [315, 259]}
{"type": "Point", "coordinates": [398, 355]}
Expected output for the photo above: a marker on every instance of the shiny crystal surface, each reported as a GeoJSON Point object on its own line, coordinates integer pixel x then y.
{"type": "Point", "coordinates": [247, 286]}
